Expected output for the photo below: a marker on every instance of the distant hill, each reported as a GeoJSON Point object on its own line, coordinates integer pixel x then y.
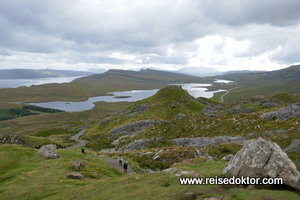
{"type": "Point", "coordinates": [42, 73]}
{"type": "Point", "coordinates": [198, 71]}
{"type": "Point", "coordinates": [146, 75]}
{"type": "Point", "coordinates": [241, 71]}
{"type": "Point", "coordinates": [285, 75]}
{"type": "Point", "coordinates": [264, 83]}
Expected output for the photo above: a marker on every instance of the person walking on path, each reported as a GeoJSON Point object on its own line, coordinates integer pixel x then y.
{"type": "Point", "coordinates": [120, 160]}
{"type": "Point", "coordinates": [125, 166]}
{"type": "Point", "coordinates": [82, 150]}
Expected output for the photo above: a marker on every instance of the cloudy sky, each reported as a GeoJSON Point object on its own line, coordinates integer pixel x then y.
{"type": "Point", "coordinates": [167, 34]}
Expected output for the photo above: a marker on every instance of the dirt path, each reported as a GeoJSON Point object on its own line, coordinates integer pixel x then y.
{"type": "Point", "coordinates": [80, 142]}
{"type": "Point", "coordinates": [222, 97]}
{"type": "Point", "coordinates": [115, 164]}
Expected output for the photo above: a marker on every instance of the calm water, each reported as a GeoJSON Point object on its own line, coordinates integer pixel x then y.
{"type": "Point", "coordinates": [14, 83]}
{"type": "Point", "coordinates": [194, 89]}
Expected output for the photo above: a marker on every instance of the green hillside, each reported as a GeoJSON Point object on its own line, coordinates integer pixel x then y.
{"type": "Point", "coordinates": [263, 83]}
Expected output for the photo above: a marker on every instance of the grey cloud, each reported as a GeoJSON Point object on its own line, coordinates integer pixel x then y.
{"type": "Point", "coordinates": [143, 28]}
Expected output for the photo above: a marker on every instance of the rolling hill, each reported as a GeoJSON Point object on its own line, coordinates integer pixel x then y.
{"type": "Point", "coordinates": [263, 83]}
{"type": "Point", "coordinates": [42, 73]}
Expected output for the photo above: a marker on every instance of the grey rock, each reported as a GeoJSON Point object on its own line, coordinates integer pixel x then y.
{"type": "Point", "coordinates": [278, 132]}
{"type": "Point", "coordinates": [171, 170]}
{"type": "Point", "coordinates": [248, 109]}
{"type": "Point", "coordinates": [261, 158]}
{"type": "Point", "coordinates": [139, 108]}
{"type": "Point", "coordinates": [284, 113]}
{"type": "Point", "coordinates": [141, 144]}
{"type": "Point", "coordinates": [294, 146]}
{"type": "Point", "coordinates": [204, 141]}
{"type": "Point", "coordinates": [179, 116]}
{"type": "Point", "coordinates": [211, 109]}
{"type": "Point", "coordinates": [227, 157]}
{"type": "Point", "coordinates": [77, 164]}
{"type": "Point", "coordinates": [188, 173]}
{"type": "Point", "coordinates": [75, 175]}
{"type": "Point", "coordinates": [131, 128]}
{"type": "Point", "coordinates": [49, 151]}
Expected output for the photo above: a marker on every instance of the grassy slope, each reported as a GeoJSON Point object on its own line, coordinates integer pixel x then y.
{"type": "Point", "coordinates": [159, 109]}
{"type": "Point", "coordinates": [57, 127]}
{"type": "Point", "coordinates": [26, 175]}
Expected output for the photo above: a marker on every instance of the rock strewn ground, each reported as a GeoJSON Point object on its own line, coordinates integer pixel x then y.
{"type": "Point", "coordinates": [204, 141]}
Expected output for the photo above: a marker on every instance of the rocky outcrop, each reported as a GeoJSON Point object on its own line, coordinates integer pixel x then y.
{"type": "Point", "coordinates": [294, 147]}
{"type": "Point", "coordinates": [179, 116]}
{"type": "Point", "coordinates": [283, 114]}
{"type": "Point", "coordinates": [12, 139]}
{"type": "Point", "coordinates": [204, 141]}
{"type": "Point", "coordinates": [261, 158]}
{"type": "Point", "coordinates": [131, 128]}
{"type": "Point", "coordinates": [77, 164]}
{"type": "Point", "coordinates": [140, 144]}
{"type": "Point", "coordinates": [49, 151]}
{"type": "Point", "coordinates": [75, 175]}
{"type": "Point", "coordinates": [248, 109]}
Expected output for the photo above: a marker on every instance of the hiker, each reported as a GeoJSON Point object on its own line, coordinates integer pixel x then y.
{"type": "Point", "coordinates": [82, 150]}
{"type": "Point", "coordinates": [125, 167]}
{"type": "Point", "coordinates": [120, 160]}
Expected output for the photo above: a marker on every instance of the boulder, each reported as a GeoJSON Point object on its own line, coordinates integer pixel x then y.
{"type": "Point", "coordinates": [284, 113]}
{"type": "Point", "coordinates": [294, 146]}
{"type": "Point", "coordinates": [188, 173]}
{"type": "Point", "coordinates": [75, 175]}
{"type": "Point", "coordinates": [48, 151]}
{"type": "Point", "coordinates": [170, 170]}
{"type": "Point", "coordinates": [77, 164]}
{"type": "Point", "coordinates": [179, 116]}
{"type": "Point", "coordinates": [227, 157]}
{"type": "Point", "coordinates": [261, 158]}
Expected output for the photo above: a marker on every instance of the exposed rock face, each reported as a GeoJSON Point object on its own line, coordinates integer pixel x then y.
{"type": "Point", "coordinates": [77, 164]}
{"type": "Point", "coordinates": [75, 175]}
{"type": "Point", "coordinates": [284, 113]}
{"type": "Point", "coordinates": [294, 147]}
{"type": "Point", "coordinates": [240, 110]}
{"type": "Point", "coordinates": [261, 158]}
{"type": "Point", "coordinates": [139, 108]}
{"type": "Point", "coordinates": [227, 157]}
{"type": "Point", "coordinates": [204, 141]}
{"type": "Point", "coordinates": [179, 116]}
{"type": "Point", "coordinates": [131, 128]}
{"type": "Point", "coordinates": [48, 151]}
{"type": "Point", "coordinates": [140, 144]}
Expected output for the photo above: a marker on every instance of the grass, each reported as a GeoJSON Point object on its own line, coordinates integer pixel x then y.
{"type": "Point", "coordinates": [26, 175]}
{"type": "Point", "coordinates": [218, 96]}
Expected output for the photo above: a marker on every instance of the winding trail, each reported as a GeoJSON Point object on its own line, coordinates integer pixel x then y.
{"type": "Point", "coordinates": [222, 97]}
{"type": "Point", "coordinates": [80, 142]}
{"type": "Point", "coordinates": [115, 164]}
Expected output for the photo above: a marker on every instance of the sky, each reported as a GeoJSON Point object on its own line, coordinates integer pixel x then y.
{"type": "Point", "coordinates": [132, 34]}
